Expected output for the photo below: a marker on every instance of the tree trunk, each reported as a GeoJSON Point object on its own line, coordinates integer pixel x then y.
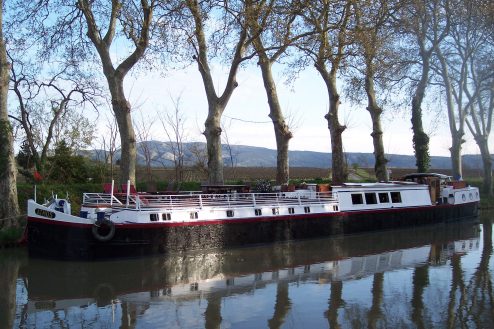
{"type": "Point", "coordinates": [482, 142]}
{"type": "Point", "coordinates": [281, 129]}
{"type": "Point", "coordinates": [9, 207]}
{"type": "Point", "coordinates": [380, 169]}
{"type": "Point", "coordinates": [213, 139]}
{"type": "Point", "coordinates": [128, 155]}
{"type": "Point", "coordinates": [455, 151]}
{"type": "Point", "coordinates": [420, 138]}
{"type": "Point", "coordinates": [339, 172]}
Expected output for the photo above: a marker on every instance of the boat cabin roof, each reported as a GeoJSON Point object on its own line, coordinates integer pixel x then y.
{"type": "Point", "coordinates": [415, 176]}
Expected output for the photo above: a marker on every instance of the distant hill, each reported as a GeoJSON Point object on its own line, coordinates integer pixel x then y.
{"type": "Point", "coordinates": [252, 156]}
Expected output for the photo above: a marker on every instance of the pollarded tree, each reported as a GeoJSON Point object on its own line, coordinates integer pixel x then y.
{"type": "Point", "coordinates": [473, 39]}
{"type": "Point", "coordinates": [458, 58]}
{"type": "Point", "coordinates": [9, 207]}
{"type": "Point", "coordinates": [275, 26]}
{"type": "Point", "coordinates": [136, 21]}
{"type": "Point", "coordinates": [327, 48]}
{"type": "Point", "coordinates": [419, 22]}
{"type": "Point", "coordinates": [224, 24]}
{"type": "Point", "coordinates": [375, 66]}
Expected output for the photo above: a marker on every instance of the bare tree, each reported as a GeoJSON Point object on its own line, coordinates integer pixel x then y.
{"type": "Point", "coordinates": [328, 51]}
{"type": "Point", "coordinates": [455, 57]}
{"type": "Point", "coordinates": [199, 158]}
{"type": "Point", "coordinates": [47, 108]}
{"type": "Point", "coordinates": [136, 22]}
{"type": "Point", "coordinates": [375, 67]}
{"type": "Point", "coordinates": [274, 27]}
{"type": "Point", "coordinates": [173, 124]}
{"type": "Point", "coordinates": [229, 29]}
{"type": "Point", "coordinates": [143, 127]}
{"type": "Point", "coordinates": [419, 23]}
{"type": "Point", "coordinates": [109, 145]}
{"type": "Point", "coordinates": [475, 42]}
{"type": "Point", "coordinates": [9, 207]}
{"type": "Point", "coordinates": [232, 155]}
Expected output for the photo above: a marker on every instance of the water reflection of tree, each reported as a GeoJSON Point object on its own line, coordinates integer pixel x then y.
{"type": "Point", "coordinates": [420, 282]}
{"type": "Point", "coordinates": [480, 309]}
{"type": "Point", "coordinates": [282, 306]}
{"type": "Point", "coordinates": [375, 312]}
{"type": "Point", "coordinates": [471, 304]}
{"type": "Point", "coordinates": [335, 302]}
{"type": "Point", "coordinates": [10, 262]}
{"type": "Point", "coordinates": [212, 314]}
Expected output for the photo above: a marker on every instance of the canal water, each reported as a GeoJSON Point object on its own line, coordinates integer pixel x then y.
{"type": "Point", "coordinates": [428, 277]}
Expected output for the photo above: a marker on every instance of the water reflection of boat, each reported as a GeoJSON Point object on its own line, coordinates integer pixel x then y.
{"type": "Point", "coordinates": [190, 276]}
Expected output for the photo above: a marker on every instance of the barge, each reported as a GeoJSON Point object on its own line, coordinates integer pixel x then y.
{"type": "Point", "coordinates": [114, 225]}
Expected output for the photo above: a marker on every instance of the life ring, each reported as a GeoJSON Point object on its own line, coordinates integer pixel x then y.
{"type": "Point", "coordinates": [103, 230]}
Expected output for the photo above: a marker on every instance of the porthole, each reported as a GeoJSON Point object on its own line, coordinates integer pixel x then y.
{"type": "Point", "coordinates": [471, 196]}
{"type": "Point", "coordinates": [463, 197]}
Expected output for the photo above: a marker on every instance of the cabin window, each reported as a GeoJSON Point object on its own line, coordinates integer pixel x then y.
{"type": "Point", "coordinates": [335, 208]}
{"type": "Point", "coordinates": [166, 216]}
{"type": "Point", "coordinates": [154, 217]}
{"type": "Point", "coordinates": [229, 213]}
{"type": "Point", "coordinates": [383, 198]}
{"type": "Point", "coordinates": [193, 215]}
{"type": "Point", "coordinates": [370, 198]}
{"type": "Point", "coordinates": [194, 286]}
{"type": "Point", "coordinates": [276, 211]}
{"type": "Point", "coordinates": [258, 212]}
{"type": "Point", "coordinates": [357, 198]}
{"type": "Point", "coordinates": [291, 210]}
{"type": "Point", "coordinates": [307, 210]}
{"type": "Point", "coordinates": [395, 197]}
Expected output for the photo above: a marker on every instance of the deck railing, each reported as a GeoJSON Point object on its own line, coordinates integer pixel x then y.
{"type": "Point", "coordinates": [195, 201]}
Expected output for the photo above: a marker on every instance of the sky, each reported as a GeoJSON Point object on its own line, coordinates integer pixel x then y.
{"type": "Point", "coordinates": [246, 117]}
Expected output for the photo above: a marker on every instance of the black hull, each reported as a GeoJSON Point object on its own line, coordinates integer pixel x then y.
{"type": "Point", "coordinates": [52, 239]}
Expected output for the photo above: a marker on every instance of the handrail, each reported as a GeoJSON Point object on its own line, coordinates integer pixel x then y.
{"type": "Point", "coordinates": [199, 201]}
